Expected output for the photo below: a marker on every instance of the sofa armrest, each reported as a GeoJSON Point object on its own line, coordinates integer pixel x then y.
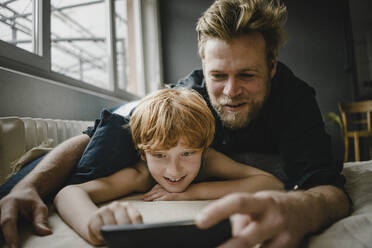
{"type": "Point", "coordinates": [19, 135]}
{"type": "Point", "coordinates": [12, 143]}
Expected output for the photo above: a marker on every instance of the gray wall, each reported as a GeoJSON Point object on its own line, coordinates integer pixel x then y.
{"type": "Point", "coordinates": [315, 51]}
{"type": "Point", "coordinates": [360, 13]}
{"type": "Point", "coordinates": [25, 96]}
{"type": "Point", "coordinates": [179, 39]}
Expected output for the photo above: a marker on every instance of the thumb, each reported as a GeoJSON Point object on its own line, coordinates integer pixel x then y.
{"type": "Point", "coordinates": [40, 220]}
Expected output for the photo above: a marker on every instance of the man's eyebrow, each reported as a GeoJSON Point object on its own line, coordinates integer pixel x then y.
{"type": "Point", "coordinates": [215, 71]}
{"type": "Point", "coordinates": [250, 69]}
{"type": "Point", "coordinates": [239, 71]}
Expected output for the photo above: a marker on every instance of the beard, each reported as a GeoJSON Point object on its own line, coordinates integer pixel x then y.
{"type": "Point", "coordinates": [238, 120]}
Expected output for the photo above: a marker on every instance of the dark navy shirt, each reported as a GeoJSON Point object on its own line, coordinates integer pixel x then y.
{"type": "Point", "coordinates": [289, 126]}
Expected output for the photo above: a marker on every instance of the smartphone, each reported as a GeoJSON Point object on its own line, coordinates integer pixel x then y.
{"type": "Point", "coordinates": [166, 235]}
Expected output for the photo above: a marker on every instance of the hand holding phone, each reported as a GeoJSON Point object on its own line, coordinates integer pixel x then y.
{"type": "Point", "coordinates": [166, 235]}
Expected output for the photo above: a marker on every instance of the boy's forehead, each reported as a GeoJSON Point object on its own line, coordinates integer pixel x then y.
{"type": "Point", "coordinates": [182, 143]}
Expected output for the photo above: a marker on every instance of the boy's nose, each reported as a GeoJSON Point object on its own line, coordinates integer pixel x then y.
{"type": "Point", "coordinates": [174, 168]}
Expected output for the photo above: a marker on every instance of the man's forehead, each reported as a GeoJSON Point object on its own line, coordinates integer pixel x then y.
{"type": "Point", "coordinates": [242, 53]}
{"type": "Point", "coordinates": [254, 40]}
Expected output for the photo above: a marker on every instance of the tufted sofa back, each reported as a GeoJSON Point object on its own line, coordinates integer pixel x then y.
{"type": "Point", "coordinates": [19, 135]}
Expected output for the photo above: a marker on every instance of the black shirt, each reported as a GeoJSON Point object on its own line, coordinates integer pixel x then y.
{"type": "Point", "coordinates": [289, 126]}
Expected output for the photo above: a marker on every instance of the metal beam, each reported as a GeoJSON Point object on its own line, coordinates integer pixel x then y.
{"type": "Point", "coordinates": [8, 2]}
{"type": "Point", "coordinates": [58, 9]}
{"type": "Point", "coordinates": [76, 5]}
{"type": "Point", "coordinates": [67, 39]}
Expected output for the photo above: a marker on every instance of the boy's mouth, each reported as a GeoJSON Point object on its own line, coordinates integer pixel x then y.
{"type": "Point", "coordinates": [174, 180]}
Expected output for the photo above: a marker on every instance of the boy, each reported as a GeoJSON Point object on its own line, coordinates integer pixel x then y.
{"type": "Point", "coordinates": [172, 130]}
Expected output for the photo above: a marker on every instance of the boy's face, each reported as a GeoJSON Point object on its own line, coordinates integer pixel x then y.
{"type": "Point", "coordinates": [176, 168]}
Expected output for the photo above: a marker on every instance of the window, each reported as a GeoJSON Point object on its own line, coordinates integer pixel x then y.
{"type": "Point", "coordinates": [121, 28]}
{"type": "Point", "coordinates": [17, 23]}
{"type": "Point", "coordinates": [78, 40]}
{"type": "Point", "coordinates": [92, 44]}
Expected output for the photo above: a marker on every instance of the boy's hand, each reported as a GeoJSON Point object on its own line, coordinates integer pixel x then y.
{"type": "Point", "coordinates": [115, 213]}
{"type": "Point", "coordinates": [158, 193]}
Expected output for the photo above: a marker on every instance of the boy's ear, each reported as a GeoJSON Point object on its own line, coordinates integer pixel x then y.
{"type": "Point", "coordinates": [143, 157]}
{"type": "Point", "coordinates": [204, 154]}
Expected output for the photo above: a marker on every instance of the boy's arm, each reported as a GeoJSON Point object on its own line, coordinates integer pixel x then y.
{"type": "Point", "coordinates": [76, 203]}
{"type": "Point", "coordinates": [236, 178]}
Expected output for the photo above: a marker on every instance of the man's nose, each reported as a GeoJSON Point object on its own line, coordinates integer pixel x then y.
{"type": "Point", "coordinates": [232, 87]}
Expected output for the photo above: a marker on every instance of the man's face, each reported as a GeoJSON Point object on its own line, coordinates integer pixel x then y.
{"type": "Point", "coordinates": [237, 77]}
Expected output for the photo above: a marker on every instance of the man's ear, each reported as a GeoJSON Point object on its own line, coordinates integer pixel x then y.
{"type": "Point", "coordinates": [273, 68]}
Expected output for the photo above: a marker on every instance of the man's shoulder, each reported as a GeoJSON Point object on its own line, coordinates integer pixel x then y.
{"type": "Point", "coordinates": [286, 82]}
{"type": "Point", "coordinates": [287, 89]}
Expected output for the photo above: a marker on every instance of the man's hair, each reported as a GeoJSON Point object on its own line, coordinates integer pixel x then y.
{"type": "Point", "coordinates": [228, 19]}
{"type": "Point", "coordinates": [164, 117]}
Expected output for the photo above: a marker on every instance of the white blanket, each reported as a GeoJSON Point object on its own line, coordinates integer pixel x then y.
{"type": "Point", "coordinates": [352, 232]}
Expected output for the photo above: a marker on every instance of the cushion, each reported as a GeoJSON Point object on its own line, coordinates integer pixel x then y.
{"type": "Point", "coordinates": [110, 149]}
{"type": "Point", "coordinates": [354, 230]}
{"type": "Point", "coordinates": [125, 109]}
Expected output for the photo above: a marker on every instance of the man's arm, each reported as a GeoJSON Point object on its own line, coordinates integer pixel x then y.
{"type": "Point", "coordinates": [25, 198]}
{"type": "Point", "coordinates": [276, 219]}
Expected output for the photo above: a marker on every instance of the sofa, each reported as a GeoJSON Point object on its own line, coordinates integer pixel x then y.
{"type": "Point", "coordinates": [22, 139]}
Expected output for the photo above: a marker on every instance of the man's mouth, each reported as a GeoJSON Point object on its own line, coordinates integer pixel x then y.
{"type": "Point", "coordinates": [174, 180]}
{"type": "Point", "coordinates": [234, 107]}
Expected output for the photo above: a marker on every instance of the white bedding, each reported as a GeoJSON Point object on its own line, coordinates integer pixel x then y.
{"type": "Point", "coordinates": [352, 232]}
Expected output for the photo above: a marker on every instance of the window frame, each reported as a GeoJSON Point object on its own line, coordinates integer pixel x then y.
{"type": "Point", "coordinates": [20, 60]}
{"type": "Point", "coordinates": [41, 58]}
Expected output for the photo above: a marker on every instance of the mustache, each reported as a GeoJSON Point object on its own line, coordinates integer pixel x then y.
{"type": "Point", "coordinates": [226, 100]}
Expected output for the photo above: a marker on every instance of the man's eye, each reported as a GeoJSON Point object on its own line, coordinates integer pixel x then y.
{"type": "Point", "coordinates": [218, 76]}
{"type": "Point", "coordinates": [246, 75]}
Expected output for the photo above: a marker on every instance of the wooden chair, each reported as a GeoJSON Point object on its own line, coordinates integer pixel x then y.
{"type": "Point", "coordinates": [356, 118]}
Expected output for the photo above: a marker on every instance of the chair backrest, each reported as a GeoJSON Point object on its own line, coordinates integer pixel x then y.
{"type": "Point", "coordinates": [356, 115]}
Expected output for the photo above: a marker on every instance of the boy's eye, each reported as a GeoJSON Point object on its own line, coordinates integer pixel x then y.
{"type": "Point", "coordinates": [187, 154]}
{"type": "Point", "coordinates": [158, 155]}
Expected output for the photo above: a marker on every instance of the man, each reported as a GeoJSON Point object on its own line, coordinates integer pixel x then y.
{"type": "Point", "coordinates": [260, 106]}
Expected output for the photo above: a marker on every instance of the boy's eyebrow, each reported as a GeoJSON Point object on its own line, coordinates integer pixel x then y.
{"type": "Point", "coordinates": [193, 149]}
